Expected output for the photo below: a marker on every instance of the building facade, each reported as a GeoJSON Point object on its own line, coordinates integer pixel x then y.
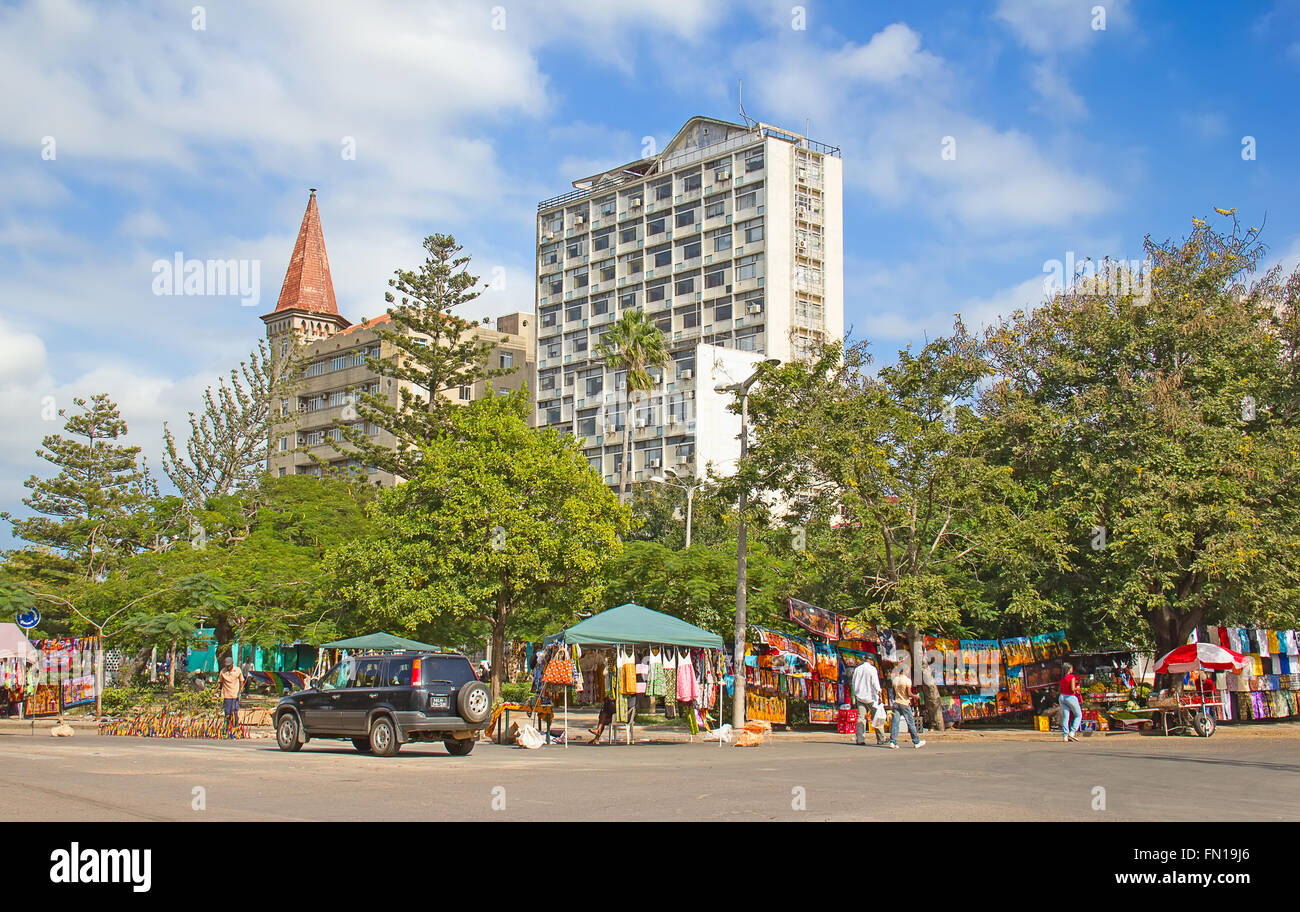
{"type": "Point", "coordinates": [731, 238]}
{"type": "Point", "coordinates": [333, 356]}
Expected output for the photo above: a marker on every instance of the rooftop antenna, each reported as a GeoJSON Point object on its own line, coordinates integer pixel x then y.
{"type": "Point", "coordinates": [740, 94]}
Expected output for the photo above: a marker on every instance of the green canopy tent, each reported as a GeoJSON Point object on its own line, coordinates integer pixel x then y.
{"type": "Point", "coordinates": [378, 641]}
{"type": "Point", "coordinates": [635, 625]}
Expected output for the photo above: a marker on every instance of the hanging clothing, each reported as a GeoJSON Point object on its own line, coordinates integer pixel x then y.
{"type": "Point", "coordinates": [626, 671]}
{"type": "Point", "coordinates": [687, 690]}
{"type": "Point", "coordinates": [656, 681]}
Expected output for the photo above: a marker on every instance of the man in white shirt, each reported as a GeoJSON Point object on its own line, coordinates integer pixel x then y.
{"type": "Point", "coordinates": [866, 697]}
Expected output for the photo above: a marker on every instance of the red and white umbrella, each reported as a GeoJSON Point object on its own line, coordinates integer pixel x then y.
{"type": "Point", "coordinates": [1200, 655]}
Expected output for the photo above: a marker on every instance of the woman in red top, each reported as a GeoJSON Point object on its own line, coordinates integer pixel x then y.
{"type": "Point", "coordinates": [1069, 700]}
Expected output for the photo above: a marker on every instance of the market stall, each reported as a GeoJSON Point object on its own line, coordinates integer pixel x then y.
{"type": "Point", "coordinates": [18, 658]}
{"type": "Point", "coordinates": [631, 652]}
{"type": "Point", "coordinates": [1268, 684]}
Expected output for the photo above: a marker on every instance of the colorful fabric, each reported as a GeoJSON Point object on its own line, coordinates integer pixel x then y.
{"type": "Point", "coordinates": [817, 620]}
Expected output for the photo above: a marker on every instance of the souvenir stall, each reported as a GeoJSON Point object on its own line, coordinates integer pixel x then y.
{"type": "Point", "coordinates": [631, 652]}
{"type": "Point", "coordinates": [18, 669]}
{"type": "Point", "coordinates": [1268, 687]}
{"type": "Point", "coordinates": [67, 677]}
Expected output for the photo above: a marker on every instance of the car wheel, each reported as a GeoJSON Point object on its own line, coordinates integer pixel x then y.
{"type": "Point", "coordinates": [361, 744]}
{"type": "Point", "coordinates": [474, 702]}
{"type": "Point", "coordinates": [286, 733]}
{"type": "Point", "coordinates": [459, 747]}
{"type": "Point", "coordinates": [383, 737]}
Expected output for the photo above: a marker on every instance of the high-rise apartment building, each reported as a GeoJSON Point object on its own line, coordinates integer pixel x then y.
{"type": "Point", "coordinates": [732, 239]}
{"type": "Point", "coordinates": [334, 370]}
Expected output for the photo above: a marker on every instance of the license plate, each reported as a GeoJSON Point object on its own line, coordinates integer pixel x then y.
{"type": "Point", "coordinates": [439, 702]}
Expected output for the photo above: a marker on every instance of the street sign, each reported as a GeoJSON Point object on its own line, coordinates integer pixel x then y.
{"type": "Point", "coordinates": [29, 618]}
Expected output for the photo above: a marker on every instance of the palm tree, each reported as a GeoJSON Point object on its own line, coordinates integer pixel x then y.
{"type": "Point", "coordinates": [634, 345]}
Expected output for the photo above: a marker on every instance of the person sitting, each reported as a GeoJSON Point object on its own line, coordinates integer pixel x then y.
{"type": "Point", "coordinates": [606, 718]}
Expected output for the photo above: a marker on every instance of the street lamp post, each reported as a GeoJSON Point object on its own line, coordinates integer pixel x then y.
{"type": "Point", "coordinates": [738, 653]}
{"type": "Point", "coordinates": [690, 490]}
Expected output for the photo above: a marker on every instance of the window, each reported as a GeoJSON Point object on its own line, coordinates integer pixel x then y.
{"type": "Point", "coordinates": [634, 266]}
{"type": "Point", "coordinates": [587, 423]}
{"type": "Point", "coordinates": [601, 305]}
{"type": "Point", "coordinates": [747, 267]}
{"type": "Point", "coordinates": [507, 359]}
{"type": "Point", "coordinates": [284, 444]}
{"type": "Point", "coordinates": [580, 278]}
{"type": "Point", "coordinates": [663, 190]}
{"type": "Point", "coordinates": [555, 284]}
{"type": "Point", "coordinates": [577, 247]}
{"type": "Point", "coordinates": [747, 200]}
{"type": "Point", "coordinates": [691, 319]}
{"type": "Point", "coordinates": [690, 251]}
{"type": "Point", "coordinates": [713, 210]}
{"type": "Point", "coordinates": [606, 275]}
{"type": "Point", "coordinates": [655, 226]}
{"type": "Point", "coordinates": [663, 256]}
{"type": "Point", "coordinates": [368, 673]}
{"type": "Point", "coordinates": [685, 286]}
{"type": "Point", "coordinates": [754, 161]}
{"type": "Point", "coordinates": [722, 312]}
{"type": "Point", "coordinates": [627, 299]}
{"type": "Point", "coordinates": [685, 217]}
{"type": "Point", "coordinates": [551, 317]}
{"type": "Point", "coordinates": [691, 182]}
{"type": "Point", "coordinates": [657, 291]}
{"type": "Point", "coordinates": [465, 393]}
{"type": "Point", "coordinates": [715, 278]}
{"type": "Point", "coordinates": [341, 675]}
{"type": "Point", "coordinates": [721, 241]}
{"type": "Point", "coordinates": [600, 241]}
{"type": "Point", "coordinates": [629, 234]}
{"type": "Point", "coordinates": [594, 381]}
{"type": "Point", "coordinates": [754, 232]}
{"type": "Point", "coordinates": [664, 324]}
{"type": "Point", "coordinates": [546, 381]}
{"type": "Point", "coordinates": [606, 206]}
{"type": "Point", "coordinates": [554, 350]}
{"type": "Point", "coordinates": [573, 314]}
{"type": "Point", "coordinates": [398, 673]}
{"type": "Point", "coordinates": [552, 415]}
{"type": "Point", "coordinates": [580, 344]}
{"type": "Point", "coordinates": [282, 472]}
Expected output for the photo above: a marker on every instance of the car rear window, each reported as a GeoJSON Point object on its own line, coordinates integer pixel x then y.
{"type": "Point", "coordinates": [455, 669]}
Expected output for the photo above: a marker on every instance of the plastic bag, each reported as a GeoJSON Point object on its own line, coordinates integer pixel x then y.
{"type": "Point", "coordinates": [530, 738]}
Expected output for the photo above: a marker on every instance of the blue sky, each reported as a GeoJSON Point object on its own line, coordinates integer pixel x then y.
{"type": "Point", "coordinates": [170, 138]}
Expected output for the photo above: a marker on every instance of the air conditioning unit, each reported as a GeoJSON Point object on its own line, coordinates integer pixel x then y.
{"type": "Point", "coordinates": [803, 245]}
{"type": "Point", "coordinates": [755, 308]}
{"type": "Point", "coordinates": [577, 221]}
{"type": "Point", "coordinates": [636, 202]}
{"type": "Point", "coordinates": [683, 459]}
{"type": "Point", "coordinates": [654, 463]}
{"type": "Point", "coordinates": [548, 236]}
{"type": "Point", "coordinates": [723, 175]}
{"type": "Point", "coordinates": [688, 374]}
{"type": "Point", "coordinates": [802, 173]}
{"type": "Point", "coordinates": [640, 422]}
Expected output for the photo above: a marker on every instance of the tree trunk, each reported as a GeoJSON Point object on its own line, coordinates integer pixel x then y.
{"type": "Point", "coordinates": [498, 649]}
{"type": "Point", "coordinates": [1171, 631]}
{"type": "Point", "coordinates": [171, 669]}
{"type": "Point", "coordinates": [627, 442]}
{"type": "Point", "coordinates": [225, 635]}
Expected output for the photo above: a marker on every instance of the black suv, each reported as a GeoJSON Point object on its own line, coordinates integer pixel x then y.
{"type": "Point", "coordinates": [381, 702]}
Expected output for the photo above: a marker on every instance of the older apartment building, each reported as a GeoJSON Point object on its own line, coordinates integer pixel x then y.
{"type": "Point", "coordinates": [334, 361]}
{"type": "Point", "coordinates": [732, 239]}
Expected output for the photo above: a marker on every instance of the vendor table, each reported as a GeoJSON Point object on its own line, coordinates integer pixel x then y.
{"type": "Point", "coordinates": [502, 715]}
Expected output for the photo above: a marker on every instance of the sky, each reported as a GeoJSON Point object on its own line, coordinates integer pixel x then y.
{"type": "Point", "coordinates": [982, 140]}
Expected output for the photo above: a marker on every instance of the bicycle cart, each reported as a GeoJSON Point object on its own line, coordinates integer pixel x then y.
{"type": "Point", "coordinates": [1194, 710]}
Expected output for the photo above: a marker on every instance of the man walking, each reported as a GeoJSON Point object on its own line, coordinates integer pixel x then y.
{"type": "Point", "coordinates": [230, 682]}
{"type": "Point", "coordinates": [866, 699]}
{"type": "Point", "coordinates": [902, 707]}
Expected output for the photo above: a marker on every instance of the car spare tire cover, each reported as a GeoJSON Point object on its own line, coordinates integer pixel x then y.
{"type": "Point", "coordinates": [474, 702]}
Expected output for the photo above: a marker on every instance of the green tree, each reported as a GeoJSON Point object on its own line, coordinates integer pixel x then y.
{"type": "Point", "coordinates": [86, 523]}
{"type": "Point", "coordinates": [634, 345]}
{"type": "Point", "coordinates": [1161, 422]}
{"type": "Point", "coordinates": [436, 353]}
{"type": "Point", "coordinates": [230, 442]}
{"type": "Point", "coordinates": [500, 522]}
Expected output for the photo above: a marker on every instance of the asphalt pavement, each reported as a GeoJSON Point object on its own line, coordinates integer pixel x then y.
{"type": "Point", "coordinates": [93, 777]}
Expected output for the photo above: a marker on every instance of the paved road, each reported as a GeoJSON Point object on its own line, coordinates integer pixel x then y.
{"type": "Point", "coordinates": [89, 777]}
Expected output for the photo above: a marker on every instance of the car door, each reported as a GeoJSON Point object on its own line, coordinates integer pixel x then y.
{"type": "Point", "coordinates": [396, 684]}
{"type": "Point", "coordinates": [362, 695]}
{"type": "Point", "coordinates": [321, 708]}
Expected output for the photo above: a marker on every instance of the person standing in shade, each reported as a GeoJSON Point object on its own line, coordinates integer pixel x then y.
{"type": "Point", "coordinates": [1069, 700]}
{"type": "Point", "coordinates": [902, 707]}
{"type": "Point", "coordinates": [866, 698]}
{"type": "Point", "coordinates": [230, 682]}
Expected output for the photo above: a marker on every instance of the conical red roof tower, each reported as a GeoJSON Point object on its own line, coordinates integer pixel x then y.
{"type": "Point", "coordinates": [308, 288]}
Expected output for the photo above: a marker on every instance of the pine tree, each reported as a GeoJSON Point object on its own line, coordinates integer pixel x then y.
{"type": "Point", "coordinates": [437, 353]}
{"type": "Point", "coordinates": [87, 512]}
{"type": "Point", "coordinates": [229, 444]}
